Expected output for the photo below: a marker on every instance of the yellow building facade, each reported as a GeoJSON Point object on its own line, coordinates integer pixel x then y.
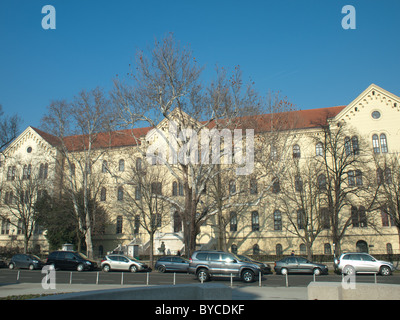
{"type": "Point", "coordinates": [264, 228]}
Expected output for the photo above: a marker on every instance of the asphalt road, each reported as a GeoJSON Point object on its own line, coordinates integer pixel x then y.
{"type": "Point", "coordinates": [155, 278]}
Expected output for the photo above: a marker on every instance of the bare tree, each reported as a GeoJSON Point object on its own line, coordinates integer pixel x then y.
{"type": "Point", "coordinates": [9, 128]}
{"type": "Point", "coordinates": [21, 192]}
{"type": "Point", "coordinates": [140, 202]}
{"type": "Point", "coordinates": [303, 201]}
{"type": "Point", "coordinates": [386, 191]}
{"type": "Point", "coordinates": [83, 130]}
{"type": "Point", "coordinates": [168, 95]}
{"type": "Point", "coordinates": [344, 179]}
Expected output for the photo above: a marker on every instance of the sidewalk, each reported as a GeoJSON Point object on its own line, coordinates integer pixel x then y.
{"type": "Point", "coordinates": [238, 293]}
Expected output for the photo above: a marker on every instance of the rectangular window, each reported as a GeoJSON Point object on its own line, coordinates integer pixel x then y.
{"type": "Point", "coordinates": [277, 220]}
{"type": "Point", "coordinates": [119, 224]}
{"type": "Point", "coordinates": [233, 221]}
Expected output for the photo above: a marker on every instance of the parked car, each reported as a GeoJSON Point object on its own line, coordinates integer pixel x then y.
{"type": "Point", "coordinates": [359, 262]}
{"type": "Point", "coordinates": [3, 262]}
{"type": "Point", "coordinates": [265, 267]}
{"type": "Point", "coordinates": [172, 263]}
{"type": "Point", "coordinates": [208, 264]}
{"type": "Point", "coordinates": [295, 264]}
{"type": "Point", "coordinates": [123, 263]}
{"type": "Point", "coordinates": [25, 261]}
{"type": "Point", "coordinates": [70, 260]}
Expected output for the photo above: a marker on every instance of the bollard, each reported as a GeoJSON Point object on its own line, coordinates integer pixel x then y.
{"type": "Point", "coordinates": [174, 278]}
{"type": "Point", "coordinates": [314, 277]}
{"type": "Point", "coordinates": [70, 278]}
{"type": "Point", "coordinates": [18, 276]}
{"type": "Point", "coordinates": [97, 278]}
{"type": "Point", "coordinates": [375, 278]}
{"type": "Point", "coordinates": [122, 278]}
{"type": "Point", "coordinates": [231, 281]}
{"type": "Point", "coordinates": [259, 280]}
{"type": "Point", "coordinates": [147, 279]}
{"type": "Point", "coordinates": [287, 280]}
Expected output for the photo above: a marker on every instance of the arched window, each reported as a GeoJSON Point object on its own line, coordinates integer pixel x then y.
{"type": "Point", "coordinates": [138, 164]}
{"type": "Point", "coordinates": [347, 146]}
{"type": "Point", "coordinates": [253, 186]}
{"type": "Point", "coordinates": [276, 187]}
{"type": "Point", "coordinates": [180, 189]}
{"type": "Point", "coordinates": [174, 188]}
{"type": "Point", "coordinates": [354, 145]}
{"type": "Point", "coordinates": [303, 249]}
{"type": "Point", "coordinates": [384, 147]}
{"type": "Point", "coordinates": [232, 187]}
{"type": "Point", "coordinates": [46, 170]}
{"type": "Point", "coordinates": [103, 194]}
{"type": "Point", "coordinates": [177, 222]}
{"type": "Point", "coordinates": [362, 246]}
{"type": "Point", "coordinates": [121, 165]}
{"type": "Point", "coordinates": [234, 248]}
{"type": "Point", "coordinates": [256, 249]}
{"type": "Point", "coordinates": [389, 248]}
{"type": "Point", "coordinates": [359, 180]}
{"type": "Point", "coordinates": [298, 184]}
{"type": "Point", "coordinates": [319, 149]}
{"type": "Point", "coordinates": [278, 249]}
{"type": "Point", "coordinates": [375, 144]}
{"type": "Point", "coordinates": [321, 182]}
{"type": "Point", "coordinates": [296, 151]}
{"type": "Point", "coordinates": [120, 194]}
{"type": "Point", "coordinates": [351, 178]}
{"type": "Point", "coordinates": [327, 248]}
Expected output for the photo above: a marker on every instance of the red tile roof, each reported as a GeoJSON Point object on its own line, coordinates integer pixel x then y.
{"type": "Point", "coordinates": [301, 119]}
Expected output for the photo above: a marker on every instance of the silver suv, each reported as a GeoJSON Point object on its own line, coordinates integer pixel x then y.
{"type": "Point", "coordinates": [207, 264]}
{"type": "Point", "coordinates": [357, 262]}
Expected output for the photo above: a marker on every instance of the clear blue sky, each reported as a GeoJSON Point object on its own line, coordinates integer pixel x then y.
{"type": "Point", "coordinates": [296, 47]}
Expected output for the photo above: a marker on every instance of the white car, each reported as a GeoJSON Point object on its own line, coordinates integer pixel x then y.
{"type": "Point", "coordinates": [358, 262]}
{"type": "Point", "coordinates": [123, 263]}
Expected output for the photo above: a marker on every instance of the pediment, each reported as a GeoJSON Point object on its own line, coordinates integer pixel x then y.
{"type": "Point", "coordinates": [369, 99]}
{"type": "Point", "coordinates": [29, 137]}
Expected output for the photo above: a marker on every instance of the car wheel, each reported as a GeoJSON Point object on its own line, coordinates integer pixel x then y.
{"type": "Point", "coordinates": [161, 269]}
{"type": "Point", "coordinates": [203, 275]}
{"type": "Point", "coordinates": [385, 271]}
{"type": "Point", "coordinates": [11, 266]}
{"type": "Point", "coordinates": [347, 270]}
{"type": "Point", "coordinates": [133, 268]}
{"type": "Point", "coordinates": [80, 267]}
{"type": "Point", "coordinates": [317, 271]}
{"type": "Point", "coordinates": [284, 271]}
{"type": "Point", "coordinates": [31, 267]}
{"type": "Point", "coordinates": [106, 268]}
{"type": "Point", "coordinates": [248, 276]}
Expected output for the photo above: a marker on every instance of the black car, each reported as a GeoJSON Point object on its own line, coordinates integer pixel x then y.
{"type": "Point", "coordinates": [70, 260]}
{"type": "Point", "coordinates": [172, 263]}
{"type": "Point", "coordinates": [25, 261]}
{"type": "Point", "coordinates": [295, 264]}
{"type": "Point", "coordinates": [265, 268]}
